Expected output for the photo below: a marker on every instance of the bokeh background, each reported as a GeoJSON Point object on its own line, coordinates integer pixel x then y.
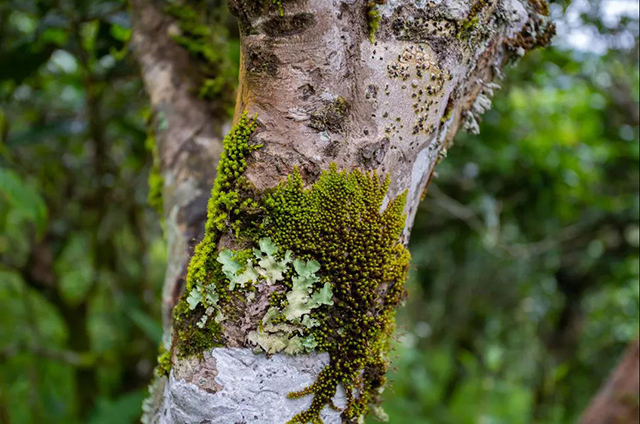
{"type": "Point", "coordinates": [524, 280]}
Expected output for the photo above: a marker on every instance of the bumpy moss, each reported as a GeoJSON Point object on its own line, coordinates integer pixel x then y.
{"type": "Point", "coordinates": [338, 222]}
{"type": "Point", "coordinates": [373, 18]}
{"type": "Point", "coordinates": [164, 362]}
{"type": "Point", "coordinates": [224, 211]}
{"type": "Point", "coordinates": [203, 35]}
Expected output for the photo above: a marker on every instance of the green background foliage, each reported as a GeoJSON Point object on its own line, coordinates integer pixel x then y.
{"type": "Point", "coordinates": [524, 277]}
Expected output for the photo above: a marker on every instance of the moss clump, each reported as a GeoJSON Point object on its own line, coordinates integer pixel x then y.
{"type": "Point", "coordinates": [193, 333]}
{"type": "Point", "coordinates": [338, 222]}
{"type": "Point", "coordinates": [203, 35]}
{"type": "Point", "coordinates": [164, 362]}
{"type": "Point", "coordinates": [373, 18]}
{"type": "Point", "coordinates": [335, 254]}
{"type": "Point", "coordinates": [156, 182]}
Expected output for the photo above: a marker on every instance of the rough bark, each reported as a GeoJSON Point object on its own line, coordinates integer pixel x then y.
{"type": "Point", "coordinates": [381, 86]}
{"type": "Point", "coordinates": [188, 132]}
{"type": "Point", "coordinates": [617, 400]}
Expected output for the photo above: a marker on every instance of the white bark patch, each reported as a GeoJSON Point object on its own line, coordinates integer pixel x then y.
{"type": "Point", "coordinates": [247, 383]}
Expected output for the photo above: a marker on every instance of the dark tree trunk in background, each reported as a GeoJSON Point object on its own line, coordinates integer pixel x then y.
{"type": "Point", "coordinates": [377, 86]}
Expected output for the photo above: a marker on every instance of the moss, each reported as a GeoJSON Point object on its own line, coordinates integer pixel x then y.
{"type": "Point", "coordinates": [164, 363]}
{"type": "Point", "coordinates": [338, 222]}
{"type": "Point", "coordinates": [203, 35]}
{"type": "Point", "coordinates": [224, 210]}
{"type": "Point", "coordinates": [373, 18]}
{"type": "Point", "coordinates": [156, 181]}
{"type": "Point", "coordinates": [331, 117]}
{"type": "Point", "coordinates": [467, 26]}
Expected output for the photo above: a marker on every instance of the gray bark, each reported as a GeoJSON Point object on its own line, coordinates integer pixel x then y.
{"type": "Point", "coordinates": [188, 133]}
{"type": "Point", "coordinates": [323, 93]}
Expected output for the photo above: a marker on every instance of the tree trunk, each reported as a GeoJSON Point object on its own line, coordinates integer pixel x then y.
{"type": "Point", "coordinates": [617, 400]}
{"type": "Point", "coordinates": [344, 109]}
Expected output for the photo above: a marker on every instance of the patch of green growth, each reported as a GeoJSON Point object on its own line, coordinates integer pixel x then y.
{"type": "Point", "coordinates": [201, 309]}
{"type": "Point", "coordinates": [156, 182]}
{"type": "Point", "coordinates": [331, 117]}
{"type": "Point", "coordinates": [373, 18]}
{"type": "Point", "coordinates": [472, 20]}
{"type": "Point", "coordinates": [279, 4]}
{"type": "Point", "coordinates": [340, 223]}
{"type": "Point", "coordinates": [203, 35]}
{"type": "Point", "coordinates": [164, 362]}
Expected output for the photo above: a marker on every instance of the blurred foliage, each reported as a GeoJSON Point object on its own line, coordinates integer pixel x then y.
{"type": "Point", "coordinates": [82, 256]}
{"type": "Point", "coordinates": [524, 285]}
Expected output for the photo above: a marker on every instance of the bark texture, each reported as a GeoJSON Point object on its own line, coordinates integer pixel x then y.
{"type": "Point", "coordinates": [378, 86]}
{"type": "Point", "coordinates": [188, 132]}
{"type": "Point", "coordinates": [617, 401]}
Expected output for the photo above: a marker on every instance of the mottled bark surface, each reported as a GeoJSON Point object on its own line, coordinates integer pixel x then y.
{"type": "Point", "coordinates": [617, 401]}
{"type": "Point", "coordinates": [188, 133]}
{"type": "Point", "coordinates": [323, 92]}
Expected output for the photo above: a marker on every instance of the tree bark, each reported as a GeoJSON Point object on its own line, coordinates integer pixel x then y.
{"type": "Point", "coordinates": [617, 400]}
{"type": "Point", "coordinates": [188, 132]}
{"type": "Point", "coordinates": [334, 85]}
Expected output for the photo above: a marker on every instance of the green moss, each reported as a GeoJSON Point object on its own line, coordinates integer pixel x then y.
{"type": "Point", "coordinates": [338, 222]}
{"type": "Point", "coordinates": [203, 35]}
{"type": "Point", "coordinates": [467, 26]}
{"type": "Point", "coordinates": [279, 4]}
{"type": "Point", "coordinates": [164, 362]}
{"type": "Point", "coordinates": [156, 182]}
{"type": "Point", "coordinates": [334, 250]}
{"type": "Point", "coordinates": [205, 273]}
{"type": "Point", "coordinates": [373, 18]}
